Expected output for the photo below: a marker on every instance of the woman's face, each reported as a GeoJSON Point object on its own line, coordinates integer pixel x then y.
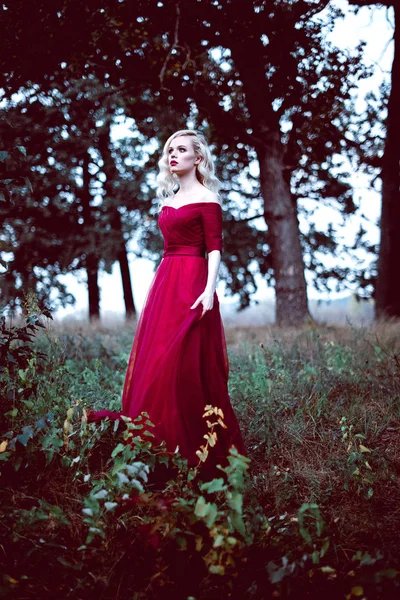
{"type": "Point", "coordinates": [181, 155]}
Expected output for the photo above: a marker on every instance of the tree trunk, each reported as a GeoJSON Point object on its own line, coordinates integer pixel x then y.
{"type": "Point", "coordinates": [279, 208]}
{"type": "Point", "coordinates": [93, 286]}
{"type": "Point", "coordinates": [92, 262]}
{"type": "Point", "coordinates": [284, 237]}
{"type": "Point", "coordinates": [388, 286]}
{"type": "Point", "coordinates": [111, 173]}
{"type": "Point", "coordinates": [130, 310]}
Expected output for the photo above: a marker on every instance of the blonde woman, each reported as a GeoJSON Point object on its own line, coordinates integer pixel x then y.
{"type": "Point", "coordinates": [178, 363]}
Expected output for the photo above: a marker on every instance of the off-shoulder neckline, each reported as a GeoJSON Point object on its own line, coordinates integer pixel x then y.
{"type": "Point", "coordinates": [189, 204]}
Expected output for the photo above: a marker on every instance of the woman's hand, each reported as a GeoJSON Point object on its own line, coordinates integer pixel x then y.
{"type": "Point", "coordinates": [207, 300]}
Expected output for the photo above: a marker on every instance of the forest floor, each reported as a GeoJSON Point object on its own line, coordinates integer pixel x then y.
{"type": "Point", "coordinates": [315, 510]}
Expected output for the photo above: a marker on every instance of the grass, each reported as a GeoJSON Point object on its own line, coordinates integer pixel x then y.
{"type": "Point", "coordinates": [317, 511]}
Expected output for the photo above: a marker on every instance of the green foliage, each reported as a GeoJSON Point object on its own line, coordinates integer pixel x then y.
{"type": "Point", "coordinates": [360, 470]}
{"type": "Point", "coordinates": [81, 497]}
{"type": "Point", "coordinates": [18, 365]}
{"type": "Point", "coordinates": [12, 173]}
{"type": "Point", "coordinates": [81, 90]}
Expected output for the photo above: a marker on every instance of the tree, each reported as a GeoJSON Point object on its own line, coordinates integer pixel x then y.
{"type": "Point", "coordinates": [288, 101]}
{"type": "Point", "coordinates": [160, 56]}
{"type": "Point", "coordinates": [68, 219]}
{"type": "Point", "coordinates": [28, 243]}
{"type": "Point", "coordinates": [111, 183]}
{"type": "Point", "coordinates": [388, 289]}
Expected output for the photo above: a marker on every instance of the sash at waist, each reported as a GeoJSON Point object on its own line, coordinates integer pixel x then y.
{"type": "Point", "coordinates": [184, 251]}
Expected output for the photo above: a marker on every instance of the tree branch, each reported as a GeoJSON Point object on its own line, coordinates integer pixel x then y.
{"type": "Point", "coordinates": [173, 47]}
{"type": "Point", "coordinates": [371, 2]}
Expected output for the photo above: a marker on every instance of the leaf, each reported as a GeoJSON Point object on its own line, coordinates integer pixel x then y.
{"type": "Point", "coordinates": [3, 155]}
{"type": "Point", "coordinates": [66, 563]}
{"type": "Point", "coordinates": [327, 569]}
{"type": "Point", "coordinates": [123, 478]}
{"type": "Point", "coordinates": [315, 557]}
{"type": "Point", "coordinates": [17, 463]}
{"type": "Point", "coordinates": [211, 438]}
{"type": "Point", "coordinates": [202, 455]}
{"type": "Point", "coordinates": [386, 574]}
{"type": "Point", "coordinates": [275, 573]}
{"type": "Point", "coordinates": [29, 186]}
{"type": "Point", "coordinates": [364, 449]}
{"type": "Point", "coordinates": [101, 494]}
{"type": "Point", "coordinates": [305, 535]}
{"type": "Point", "coordinates": [28, 430]}
{"type": "Point", "coordinates": [117, 450]}
{"type": "Point", "coordinates": [41, 423]}
{"type": "Point", "coordinates": [217, 569]}
{"type": "Point", "coordinates": [236, 502]}
{"type": "Point", "coordinates": [325, 547]}
{"type": "Point", "coordinates": [216, 485]}
{"type": "Point", "coordinates": [238, 523]}
{"type": "Point", "coordinates": [28, 403]}
{"type": "Point", "coordinates": [357, 591]}
{"type": "Point", "coordinates": [208, 413]}
{"type": "Point", "coordinates": [218, 541]}
{"type": "Point", "coordinates": [212, 513]}
{"type": "Point", "coordinates": [164, 459]}
{"type": "Point", "coordinates": [23, 439]}
{"type": "Point", "coordinates": [21, 149]}
{"type": "Point", "coordinates": [49, 457]}
{"type": "Point", "coordinates": [11, 413]}
{"type": "Point", "coordinates": [3, 446]}
{"type": "Point", "coordinates": [200, 510]}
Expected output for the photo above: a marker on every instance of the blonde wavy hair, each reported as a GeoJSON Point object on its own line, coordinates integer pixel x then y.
{"type": "Point", "coordinates": [167, 182]}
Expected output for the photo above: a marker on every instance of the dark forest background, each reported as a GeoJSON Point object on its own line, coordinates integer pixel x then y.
{"type": "Point", "coordinates": [259, 78]}
{"type": "Point", "coordinates": [103, 510]}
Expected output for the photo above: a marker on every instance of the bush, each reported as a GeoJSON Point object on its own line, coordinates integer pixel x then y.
{"type": "Point", "coordinates": [110, 513]}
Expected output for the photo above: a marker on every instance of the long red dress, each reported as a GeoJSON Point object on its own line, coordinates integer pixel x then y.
{"type": "Point", "coordinates": [179, 363]}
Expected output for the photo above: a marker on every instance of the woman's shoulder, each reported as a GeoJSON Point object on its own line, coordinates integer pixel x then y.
{"type": "Point", "coordinates": [210, 197]}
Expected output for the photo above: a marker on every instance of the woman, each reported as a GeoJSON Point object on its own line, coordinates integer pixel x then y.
{"type": "Point", "coordinates": [178, 363]}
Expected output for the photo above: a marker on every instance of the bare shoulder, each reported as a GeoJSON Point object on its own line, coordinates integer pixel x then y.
{"type": "Point", "coordinates": [211, 197]}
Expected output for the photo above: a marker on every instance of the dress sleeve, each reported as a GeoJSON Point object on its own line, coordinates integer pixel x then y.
{"type": "Point", "coordinates": [212, 225]}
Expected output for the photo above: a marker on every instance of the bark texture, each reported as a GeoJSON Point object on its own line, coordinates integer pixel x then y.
{"type": "Point", "coordinates": [279, 206]}
{"type": "Point", "coordinates": [112, 175]}
{"type": "Point", "coordinates": [91, 261]}
{"type": "Point", "coordinates": [388, 283]}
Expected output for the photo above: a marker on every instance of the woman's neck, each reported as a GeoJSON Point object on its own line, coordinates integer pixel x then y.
{"type": "Point", "coordinates": [188, 183]}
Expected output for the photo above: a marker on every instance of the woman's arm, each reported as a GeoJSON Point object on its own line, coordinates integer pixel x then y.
{"type": "Point", "coordinates": [207, 297]}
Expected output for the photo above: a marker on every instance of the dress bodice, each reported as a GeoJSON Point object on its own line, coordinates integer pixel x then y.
{"type": "Point", "coordinates": [198, 224]}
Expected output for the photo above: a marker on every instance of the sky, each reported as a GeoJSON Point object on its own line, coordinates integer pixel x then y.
{"type": "Point", "coordinates": [374, 27]}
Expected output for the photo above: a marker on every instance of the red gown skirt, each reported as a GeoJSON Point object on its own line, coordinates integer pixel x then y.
{"type": "Point", "coordinates": [179, 363]}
